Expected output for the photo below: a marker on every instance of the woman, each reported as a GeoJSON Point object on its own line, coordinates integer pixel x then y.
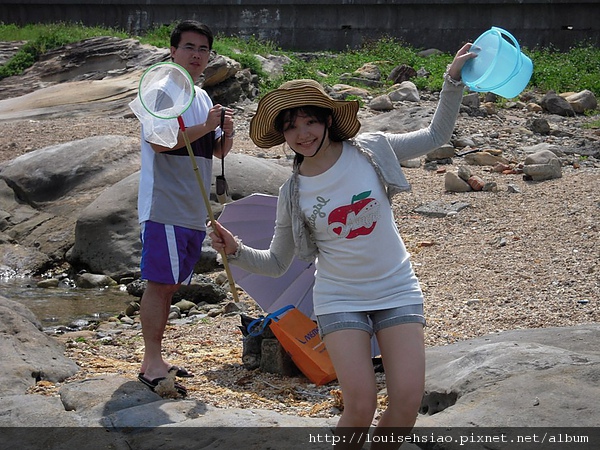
{"type": "Point", "coordinates": [336, 209]}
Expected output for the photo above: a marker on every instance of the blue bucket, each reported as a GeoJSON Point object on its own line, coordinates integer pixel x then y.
{"type": "Point", "coordinates": [500, 66]}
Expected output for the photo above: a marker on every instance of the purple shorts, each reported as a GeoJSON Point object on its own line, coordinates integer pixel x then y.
{"type": "Point", "coordinates": [169, 252]}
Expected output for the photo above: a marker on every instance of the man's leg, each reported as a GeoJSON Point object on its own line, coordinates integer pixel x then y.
{"type": "Point", "coordinates": [154, 312]}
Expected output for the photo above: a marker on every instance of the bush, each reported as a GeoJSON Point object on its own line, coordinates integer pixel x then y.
{"type": "Point", "coordinates": [575, 70]}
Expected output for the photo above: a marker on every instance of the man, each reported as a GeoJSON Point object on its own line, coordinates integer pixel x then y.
{"type": "Point", "coordinates": [171, 211]}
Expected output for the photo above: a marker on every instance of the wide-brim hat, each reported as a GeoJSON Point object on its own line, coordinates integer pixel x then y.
{"type": "Point", "coordinates": [298, 93]}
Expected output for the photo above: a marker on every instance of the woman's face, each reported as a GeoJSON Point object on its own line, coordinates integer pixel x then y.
{"type": "Point", "coordinates": [304, 133]}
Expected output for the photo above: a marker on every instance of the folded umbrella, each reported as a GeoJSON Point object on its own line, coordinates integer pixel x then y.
{"type": "Point", "coordinates": [252, 219]}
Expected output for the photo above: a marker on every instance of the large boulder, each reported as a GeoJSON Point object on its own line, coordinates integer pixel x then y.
{"type": "Point", "coordinates": [44, 191]}
{"type": "Point", "coordinates": [28, 355]}
{"type": "Point", "coordinates": [107, 232]}
{"type": "Point", "coordinates": [544, 377]}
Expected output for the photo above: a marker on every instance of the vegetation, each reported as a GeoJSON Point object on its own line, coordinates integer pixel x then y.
{"type": "Point", "coordinates": [43, 38]}
{"type": "Point", "coordinates": [575, 70]}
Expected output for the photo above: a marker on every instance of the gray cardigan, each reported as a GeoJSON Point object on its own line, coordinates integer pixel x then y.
{"type": "Point", "coordinates": [384, 151]}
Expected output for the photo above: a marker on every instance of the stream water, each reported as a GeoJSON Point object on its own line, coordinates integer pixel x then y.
{"type": "Point", "coordinates": [65, 305]}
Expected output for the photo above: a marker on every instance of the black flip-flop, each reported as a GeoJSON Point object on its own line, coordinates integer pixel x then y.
{"type": "Point", "coordinates": [152, 384]}
{"type": "Point", "coordinates": [181, 372]}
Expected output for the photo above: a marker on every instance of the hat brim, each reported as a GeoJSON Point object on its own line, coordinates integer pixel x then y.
{"type": "Point", "coordinates": [262, 126]}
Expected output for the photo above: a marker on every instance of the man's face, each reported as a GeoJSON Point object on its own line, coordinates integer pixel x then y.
{"type": "Point", "coordinates": [192, 53]}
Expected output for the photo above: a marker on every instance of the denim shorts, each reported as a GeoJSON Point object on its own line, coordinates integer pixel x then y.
{"type": "Point", "coordinates": [370, 321]}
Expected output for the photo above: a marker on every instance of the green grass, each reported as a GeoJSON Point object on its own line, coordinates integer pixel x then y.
{"type": "Point", "coordinates": [43, 38]}
{"type": "Point", "coordinates": [575, 70]}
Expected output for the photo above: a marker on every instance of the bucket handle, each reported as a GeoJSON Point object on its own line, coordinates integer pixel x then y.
{"type": "Point", "coordinates": [517, 66]}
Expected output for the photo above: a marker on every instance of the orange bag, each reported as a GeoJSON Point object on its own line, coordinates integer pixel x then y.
{"type": "Point", "coordinates": [299, 336]}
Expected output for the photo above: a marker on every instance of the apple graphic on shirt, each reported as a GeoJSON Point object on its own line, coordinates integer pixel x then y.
{"type": "Point", "coordinates": [356, 219]}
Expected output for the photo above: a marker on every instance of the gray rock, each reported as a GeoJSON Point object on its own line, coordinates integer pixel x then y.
{"type": "Point", "coordinates": [31, 410]}
{"type": "Point", "coordinates": [107, 232]}
{"type": "Point", "coordinates": [494, 381]}
{"type": "Point", "coordinates": [381, 103]}
{"type": "Point", "coordinates": [454, 183]}
{"type": "Point", "coordinates": [445, 152]}
{"type": "Point", "coordinates": [94, 281]}
{"type": "Point", "coordinates": [441, 209]}
{"type": "Point", "coordinates": [471, 100]}
{"type": "Point", "coordinates": [556, 149]}
{"type": "Point", "coordinates": [28, 355]}
{"type": "Point", "coordinates": [537, 377]}
{"type": "Point", "coordinates": [54, 184]}
{"type": "Point", "coordinates": [405, 91]}
{"type": "Point", "coordinates": [543, 165]}
{"type": "Point", "coordinates": [399, 120]}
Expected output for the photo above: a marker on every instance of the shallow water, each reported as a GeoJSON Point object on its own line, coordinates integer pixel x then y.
{"type": "Point", "coordinates": [64, 305]}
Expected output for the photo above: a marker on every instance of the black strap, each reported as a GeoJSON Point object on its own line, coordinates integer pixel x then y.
{"type": "Point", "coordinates": [222, 142]}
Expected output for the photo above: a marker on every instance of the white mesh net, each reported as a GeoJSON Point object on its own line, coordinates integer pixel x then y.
{"type": "Point", "coordinates": [165, 92]}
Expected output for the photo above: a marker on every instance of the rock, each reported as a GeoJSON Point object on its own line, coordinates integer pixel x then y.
{"type": "Point", "coordinates": [471, 100]}
{"type": "Point", "coordinates": [107, 232]}
{"type": "Point", "coordinates": [402, 73]}
{"type": "Point", "coordinates": [555, 104]}
{"type": "Point", "coordinates": [28, 355]}
{"type": "Point", "coordinates": [405, 91]}
{"type": "Point", "coordinates": [442, 209]}
{"type": "Point", "coordinates": [543, 147]}
{"type": "Point", "coordinates": [540, 126]}
{"type": "Point", "coordinates": [484, 158]}
{"type": "Point", "coordinates": [343, 91]}
{"type": "Point", "coordinates": [443, 153]}
{"type": "Point", "coordinates": [54, 184]}
{"type": "Point", "coordinates": [582, 101]}
{"type": "Point", "coordinates": [48, 283]}
{"type": "Point", "coordinates": [369, 71]}
{"type": "Point", "coordinates": [94, 281]}
{"type": "Point", "coordinates": [381, 103]}
{"type": "Point", "coordinates": [398, 121]}
{"type": "Point", "coordinates": [476, 183]}
{"type": "Point", "coordinates": [464, 173]}
{"type": "Point", "coordinates": [273, 64]}
{"type": "Point", "coordinates": [543, 165]}
{"type": "Point", "coordinates": [453, 183]}
{"type": "Point", "coordinates": [493, 381]}
{"type": "Point", "coordinates": [541, 377]}
{"type": "Point", "coordinates": [218, 70]}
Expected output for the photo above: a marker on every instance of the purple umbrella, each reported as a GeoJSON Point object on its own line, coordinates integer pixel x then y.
{"type": "Point", "coordinates": [252, 219]}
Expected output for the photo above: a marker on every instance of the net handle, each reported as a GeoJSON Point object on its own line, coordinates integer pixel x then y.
{"type": "Point", "coordinates": [211, 216]}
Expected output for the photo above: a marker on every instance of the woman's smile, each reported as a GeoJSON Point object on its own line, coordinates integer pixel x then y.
{"type": "Point", "coordinates": [305, 134]}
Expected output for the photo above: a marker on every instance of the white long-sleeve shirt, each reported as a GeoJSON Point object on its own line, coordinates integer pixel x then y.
{"type": "Point", "coordinates": [362, 263]}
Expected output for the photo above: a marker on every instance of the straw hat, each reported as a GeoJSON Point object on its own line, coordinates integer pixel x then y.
{"type": "Point", "coordinates": [297, 93]}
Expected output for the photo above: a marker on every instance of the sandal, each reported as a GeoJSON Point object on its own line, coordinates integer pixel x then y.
{"type": "Point", "coordinates": [152, 384]}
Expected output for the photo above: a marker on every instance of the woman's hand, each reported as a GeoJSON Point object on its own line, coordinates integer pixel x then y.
{"type": "Point", "coordinates": [223, 240]}
{"type": "Point", "coordinates": [462, 56]}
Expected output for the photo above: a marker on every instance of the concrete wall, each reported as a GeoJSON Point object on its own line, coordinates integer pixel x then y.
{"type": "Point", "coordinates": [336, 25]}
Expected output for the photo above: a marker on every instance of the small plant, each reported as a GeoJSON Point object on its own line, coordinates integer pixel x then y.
{"type": "Point", "coordinates": [595, 124]}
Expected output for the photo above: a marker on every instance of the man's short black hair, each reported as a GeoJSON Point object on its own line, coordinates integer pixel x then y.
{"type": "Point", "coordinates": [191, 25]}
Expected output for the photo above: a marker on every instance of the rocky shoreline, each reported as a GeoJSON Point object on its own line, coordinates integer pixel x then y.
{"type": "Point", "coordinates": [510, 279]}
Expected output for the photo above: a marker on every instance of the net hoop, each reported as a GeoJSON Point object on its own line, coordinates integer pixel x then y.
{"type": "Point", "coordinates": [176, 77]}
